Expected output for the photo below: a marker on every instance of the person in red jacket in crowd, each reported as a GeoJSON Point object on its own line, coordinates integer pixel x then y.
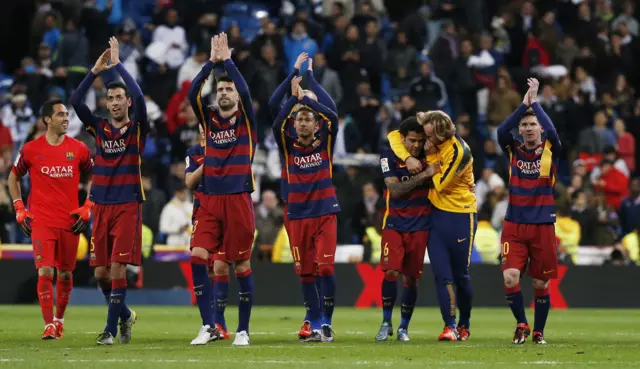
{"type": "Point", "coordinates": [176, 109]}
{"type": "Point", "coordinates": [613, 183]}
{"type": "Point", "coordinates": [534, 52]}
{"type": "Point", "coordinates": [626, 145]}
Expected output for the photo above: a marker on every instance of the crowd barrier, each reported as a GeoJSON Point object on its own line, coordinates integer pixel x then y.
{"type": "Point", "coordinates": [169, 283]}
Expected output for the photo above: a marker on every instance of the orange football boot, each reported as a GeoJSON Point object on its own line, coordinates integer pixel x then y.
{"type": "Point", "coordinates": [224, 334]}
{"type": "Point", "coordinates": [305, 330]}
{"type": "Point", "coordinates": [448, 334]}
{"type": "Point", "coordinates": [59, 328]}
{"type": "Point", "coordinates": [49, 332]}
{"type": "Point", "coordinates": [463, 333]}
{"type": "Point", "coordinates": [521, 334]}
{"type": "Point", "coordinates": [538, 338]}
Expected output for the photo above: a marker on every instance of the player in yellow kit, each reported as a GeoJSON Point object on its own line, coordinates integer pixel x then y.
{"type": "Point", "coordinates": [454, 217]}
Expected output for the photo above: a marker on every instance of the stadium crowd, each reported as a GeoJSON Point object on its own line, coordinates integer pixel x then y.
{"type": "Point", "coordinates": [381, 61]}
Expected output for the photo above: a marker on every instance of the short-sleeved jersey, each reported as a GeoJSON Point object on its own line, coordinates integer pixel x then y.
{"type": "Point", "coordinates": [193, 160]}
{"type": "Point", "coordinates": [55, 173]}
{"type": "Point", "coordinates": [411, 212]}
{"type": "Point", "coordinates": [116, 175]}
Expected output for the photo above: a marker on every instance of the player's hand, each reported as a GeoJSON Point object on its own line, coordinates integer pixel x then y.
{"type": "Point", "coordinates": [102, 64]}
{"type": "Point", "coordinates": [224, 51]}
{"type": "Point", "coordinates": [296, 90]}
{"type": "Point", "coordinates": [23, 216]}
{"type": "Point", "coordinates": [115, 51]}
{"type": "Point", "coordinates": [83, 215]}
{"type": "Point", "coordinates": [310, 64]}
{"type": "Point", "coordinates": [215, 49]}
{"type": "Point", "coordinates": [432, 170]}
{"type": "Point", "coordinates": [300, 60]}
{"type": "Point", "coordinates": [533, 90]}
{"type": "Point", "coordinates": [413, 165]}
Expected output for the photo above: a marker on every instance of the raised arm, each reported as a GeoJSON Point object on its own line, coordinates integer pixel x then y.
{"type": "Point", "coordinates": [323, 96]}
{"type": "Point", "coordinates": [325, 112]}
{"type": "Point", "coordinates": [543, 118]}
{"type": "Point", "coordinates": [195, 92]}
{"type": "Point", "coordinates": [505, 138]}
{"type": "Point", "coordinates": [275, 101]}
{"type": "Point", "coordinates": [77, 101]}
{"type": "Point", "coordinates": [139, 104]}
{"type": "Point", "coordinates": [397, 146]}
{"type": "Point", "coordinates": [279, 126]}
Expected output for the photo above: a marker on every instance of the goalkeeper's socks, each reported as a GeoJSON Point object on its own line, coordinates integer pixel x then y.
{"type": "Point", "coordinates": [447, 302]}
{"type": "Point", "coordinates": [464, 297]}
{"type": "Point", "coordinates": [541, 312]}
{"type": "Point", "coordinates": [311, 301]}
{"type": "Point", "coordinates": [516, 303]}
{"type": "Point", "coordinates": [125, 313]}
{"type": "Point", "coordinates": [63, 295]}
{"type": "Point", "coordinates": [116, 304]}
{"type": "Point", "coordinates": [45, 296]}
{"type": "Point", "coordinates": [409, 297]}
{"type": "Point", "coordinates": [220, 298]}
{"type": "Point", "coordinates": [202, 289]}
{"type": "Point", "coordinates": [328, 297]}
{"type": "Point", "coordinates": [245, 299]}
{"type": "Point", "coordinates": [389, 293]}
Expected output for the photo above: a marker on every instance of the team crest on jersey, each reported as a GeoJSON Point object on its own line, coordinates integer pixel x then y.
{"type": "Point", "coordinates": [539, 151]}
{"type": "Point", "coordinates": [232, 121]}
{"type": "Point", "coordinates": [124, 129]}
{"type": "Point", "coordinates": [70, 155]}
{"type": "Point", "coordinates": [384, 163]}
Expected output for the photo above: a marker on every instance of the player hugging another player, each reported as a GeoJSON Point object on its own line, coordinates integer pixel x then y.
{"type": "Point", "coordinates": [453, 217]}
{"type": "Point", "coordinates": [528, 235]}
{"type": "Point", "coordinates": [311, 201]}
{"type": "Point", "coordinates": [405, 227]}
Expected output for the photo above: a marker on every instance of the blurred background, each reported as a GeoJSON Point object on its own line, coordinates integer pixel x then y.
{"type": "Point", "coordinates": [381, 61]}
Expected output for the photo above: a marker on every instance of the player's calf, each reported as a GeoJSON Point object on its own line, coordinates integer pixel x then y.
{"type": "Point", "coordinates": [45, 294]}
{"type": "Point", "coordinates": [541, 309]}
{"type": "Point", "coordinates": [328, 292]}
{"type": "Point", "coordinates": [64, 285]}
{"type": "Point", "coordinates": [202, 290]}
{"type": "Point", "coordinates": [245, 298]}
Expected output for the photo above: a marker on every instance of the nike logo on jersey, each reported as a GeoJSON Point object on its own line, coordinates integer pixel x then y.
{"type": "Point", "coordinates": [461, 240]}
{"type": "Point", "coordinates": [243, 252]}
{"type": "Point", "coordinates": [547, 271]}
{"type": "Point", "coordinates": [125, 254]}
{"type": "Point", "coordinates": [328, 256]}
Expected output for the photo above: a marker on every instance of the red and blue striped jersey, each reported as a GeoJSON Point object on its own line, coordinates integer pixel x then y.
{"type": "Point", "coordinates": [116, 172]}
{"type": "Point", "coordinates": [309, 168]}
{"type": "Point", "coordinates": [531, 171]}
{"type": "Point", "coordinates": [411, 212]}
{"type": "Point", "coordinates": [230, 141]}
{"type": "Point", "coordinates": [195, 158]}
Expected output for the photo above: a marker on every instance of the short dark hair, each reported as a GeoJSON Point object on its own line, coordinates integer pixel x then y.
{"type": "Point", "coordinates": [48, 107]}
{"type": "Point", "coordinates": [304, 108]}
{"type": "Point", "coordinates": [223, 78]}
{"type": "Point", "coordinates": [117, 84]}
{"type": "Point", "coordinates": [529, 113]}
{"type": "Point", "coordinates": [410, 125]}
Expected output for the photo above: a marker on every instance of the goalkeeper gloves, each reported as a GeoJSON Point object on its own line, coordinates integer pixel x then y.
{"type": "Point", "coordinates": [23, 217]}
{"type": "Point", "coordinates": [83, 215]}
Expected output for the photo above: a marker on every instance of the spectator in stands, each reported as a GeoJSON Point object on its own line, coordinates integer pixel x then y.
{"type": "Point", "coordinates": [401, 62]}
{"type": "Point", "coordinates": [6, 149]}
{"type": "Point", "coordinates": [18, 117]}
{"type": "Point", "coordinates": [192, 66]}
{"type": "Point", "coordinates": [595, 139]}
{"type": "Point", "coordinates": [72, 56]}
{"type": "Point", "coordinates": [487, 184]}
{"type": "Point", "coordinates": [175, 219]}
{"type": "Point", "coordinates": [327, 77]}
{"type": "Point", "coordinates": [155, 201]}
{"type": "Point", "coordinates": [586, 215]}
{"type": "Point", "coordinates": [444, 52]}
{"type": "Point", "coordinates": [630, 208]}
{"type": "Point", "coordinates": [299, 42]}
{"type": "Point", "coordinates": [269, 221]}
{"type": "Point", "coordinates": [503, 100]}
{"type": "Point", "coordinates": [200, 34]}
{"type": "Point", "coordinates": [567, 51]}
{"type": "Point", "coordinates": [627, 18]}
{"type": "Point", "coordinates": [613, 183]}
{"type": "Point", "coordinates": [610, 155]}
{"type": "Point", "coordinates": [487, 240]}
{"type": "Point", "coordinates": [428, 90]}
{"type": "Point", "coordinates": [268, 35]}
{"type": "Point", "coordinates": [7, 215]}
{"type": "Point", "coordinates": [500, 204]}
{"type": "Point", "coordinates": [347, 56]}
{"type": "Point", "coordinates": [174, 38]}
{"type": "Point", "coordinates": [626, 145]}
{"type": "Point", "coordinates": [605, 231]}
{"type": "Point", "coordinates": [568, 231]}
{"type": "Point", "coordinates": [374, 54]}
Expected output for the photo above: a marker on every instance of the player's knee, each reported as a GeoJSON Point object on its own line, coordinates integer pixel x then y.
{"type": "Point", "coordinates": [308, 278]}
{"type": "Point", "coordinates": [220, 268]}
{"type": "Point", "coordinates": [45, 272]}
{"type": "Point", "coordinates": [409, 282]}
{"type": "Point", "coordinates": [242, 266]}
{"type": "Point", "coordinates": [102, 274]}
{"type": "Point", "coordinates": [511, 277]}
{"type": "Point", "coordinates": [539, 284]}
{"type": "Point", "coordinates": [211, 273]}
{"type": "Point", "coordinates": [65, 275]}
{"type": "Point", "coordinates": [199, 252]}
{"type": "Point", "coordinates": [391, 275]}
{"type": "Point", "coordinates": [326, 270]}
{"type": "Point", "coordinates": [118, 270]}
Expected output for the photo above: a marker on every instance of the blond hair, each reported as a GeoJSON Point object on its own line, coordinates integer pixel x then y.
{"type": "Point", "coordinates": [443, 127]}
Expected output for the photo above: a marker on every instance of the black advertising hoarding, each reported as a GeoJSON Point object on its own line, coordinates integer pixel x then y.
{"type": "Point", "coordinates": [359, 284]}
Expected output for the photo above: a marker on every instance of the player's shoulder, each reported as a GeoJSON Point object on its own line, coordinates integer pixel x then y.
{"type": "Point", "coordinates": [195, 150]}
{"type": "Point", "coordinates": [388, 154]}
{"type": "Point", "coordinates": [35, 144]}
{"type": "Point", "coordinates": [77, 143]}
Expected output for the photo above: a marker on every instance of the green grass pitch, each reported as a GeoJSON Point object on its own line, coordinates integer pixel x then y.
{"type": "Point", "coordinates": [577, 338]}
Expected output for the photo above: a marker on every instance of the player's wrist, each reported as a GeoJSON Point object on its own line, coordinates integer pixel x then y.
{"type": "Point", "coordinates": [88, 204]}
{"type": "Point", "coordinates": [18, 205]}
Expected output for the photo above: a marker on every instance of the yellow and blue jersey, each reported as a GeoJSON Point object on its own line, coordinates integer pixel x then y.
{"type": "Point", "coordinates": [453, 187]}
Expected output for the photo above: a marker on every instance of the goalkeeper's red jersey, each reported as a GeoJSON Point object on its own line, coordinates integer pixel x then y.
{"type": "Point", "coordinates": [54, 172]}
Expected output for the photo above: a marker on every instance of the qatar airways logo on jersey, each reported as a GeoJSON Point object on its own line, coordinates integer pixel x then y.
{"type": "Point", "coordinates": [58, 171]}
{"type": "Point", "coordinates": [114, 146]}
{"type": "Point", "coordinates": [223, 137]}
{"type": "Point", "coordinates": [309, 161]}
{"type": "Point", "coordinates": [528, 167]}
